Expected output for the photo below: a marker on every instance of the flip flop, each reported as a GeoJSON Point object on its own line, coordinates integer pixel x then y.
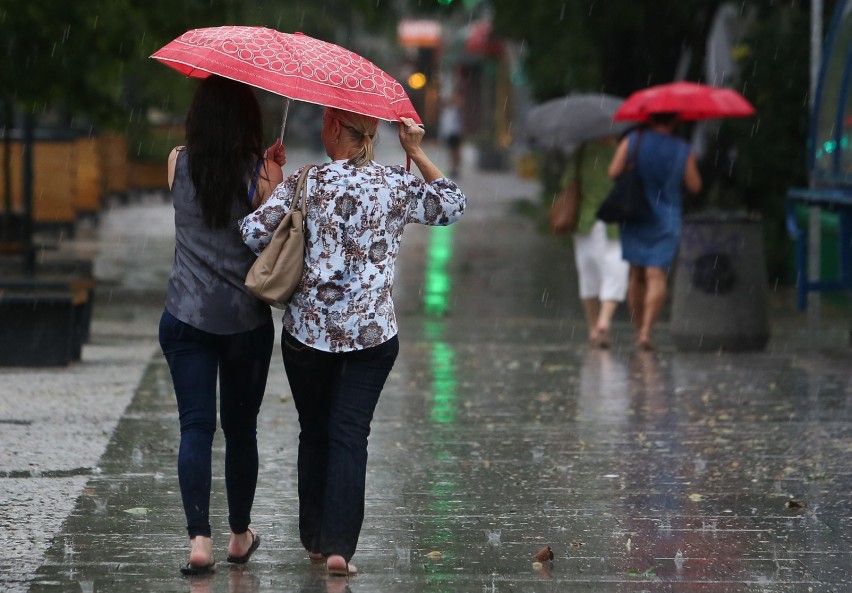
{"type": "Point", "coordinates": [190, 570]}
{"type": "Point", "coordinates": [347, 570]}
{"type": "Point", "coordinates": [255, 543]}
{"type": "Point", "coordinates": [645, 345]}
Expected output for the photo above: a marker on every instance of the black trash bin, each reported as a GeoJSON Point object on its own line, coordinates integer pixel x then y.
{"type": "Point", "coordinates": [719, 297]}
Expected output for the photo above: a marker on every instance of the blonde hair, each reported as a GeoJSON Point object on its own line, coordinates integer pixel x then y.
{"type": "Point", "coordinates": [362, 129]}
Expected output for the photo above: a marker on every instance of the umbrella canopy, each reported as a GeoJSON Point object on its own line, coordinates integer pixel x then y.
{"type": "Point", "coordinates": [567, 122]}
{"type": "Point", "coordinates": [482, 40]}
{"type": "Point", "coordinates": [295, 66]}
{"type": "Point", "coordinates": [689, 100]}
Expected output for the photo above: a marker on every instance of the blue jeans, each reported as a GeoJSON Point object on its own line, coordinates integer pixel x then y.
{"type": "Point", "coordinates": [241, 363]}
{"type": "Point", "coordinates": [335, 395]}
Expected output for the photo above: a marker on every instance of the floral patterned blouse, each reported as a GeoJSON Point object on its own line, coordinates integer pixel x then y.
{"type": "Point", "coordinates": [355, 219]}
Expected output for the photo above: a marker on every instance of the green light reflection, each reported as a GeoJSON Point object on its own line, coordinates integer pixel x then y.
{"type": "Point", "coordinates": [438, 284]}
{"type": "Point", "coordinates": [442, 410]}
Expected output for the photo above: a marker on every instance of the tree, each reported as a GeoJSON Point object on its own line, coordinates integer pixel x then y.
{"type": "Point", "coordinates": [613, 46]}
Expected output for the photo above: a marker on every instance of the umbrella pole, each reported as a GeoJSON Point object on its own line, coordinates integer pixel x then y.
{"type": "Point", "coordinates": [284, 119]}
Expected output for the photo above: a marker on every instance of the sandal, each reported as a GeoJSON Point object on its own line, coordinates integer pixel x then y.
{"type": "Point", "coordinates": [255, 543]}
{"type": "Point", "coordinates": [335, 570]}
{"type": "Point", "coordinates": [191, 570]}
{"type": "Point", "coordinates": [645, 345]}
{"type": "Point", "coordinates": [603, 340]}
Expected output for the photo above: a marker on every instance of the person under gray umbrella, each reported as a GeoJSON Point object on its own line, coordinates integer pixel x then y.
{"type": "Point", "coordinates": [581, 127]}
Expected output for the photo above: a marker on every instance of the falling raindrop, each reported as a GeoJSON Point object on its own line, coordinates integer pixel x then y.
{"type": "Point", "coordinates": [67, 549]}
{"type": "Point", "coordinates": [537, 454]}
{"type": "Point", "coordinates": [100, 505]}
{"type": "Point", "coordinates": [678, 560]}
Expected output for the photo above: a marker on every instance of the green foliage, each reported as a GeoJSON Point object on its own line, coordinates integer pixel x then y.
{"type": "Point", "coordinates": [615, 46]}
{"type": "Point", "coordinates": [560, 55]}
{"type": "Point", "coordinates": [771, 146]}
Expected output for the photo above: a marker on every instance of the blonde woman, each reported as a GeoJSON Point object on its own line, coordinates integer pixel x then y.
{"type": "Point", "coordinates": [339, 340]}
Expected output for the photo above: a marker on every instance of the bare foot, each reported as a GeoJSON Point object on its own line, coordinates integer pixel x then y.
{"type": "Point", "coordinates": [644, 343]}
{"type": "Point", "coordinates": [242, 546]}
{"type": "Point", "coordinates": [316, 558]}
{"type": "Point", "coordinates": [593, 337]}
{"type": "Point", "coordinates": [201, 553]}
{"type": "Point", "coordinates": [603, 340]}
{"type": "Point", "coordinates": [337, 566]}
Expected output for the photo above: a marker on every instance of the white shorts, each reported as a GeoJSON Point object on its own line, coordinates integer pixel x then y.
{"type": "Point", "coordinates": [600, 270]}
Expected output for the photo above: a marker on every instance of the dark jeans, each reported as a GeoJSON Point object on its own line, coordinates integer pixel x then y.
{"type": "Point", "coordinates": [241, 362]}
{"type": "Point", "coordinates": [335, 395]}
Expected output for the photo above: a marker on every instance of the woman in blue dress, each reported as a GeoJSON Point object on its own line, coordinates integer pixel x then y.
{"type": "Point", "coordinates": [665, 164]}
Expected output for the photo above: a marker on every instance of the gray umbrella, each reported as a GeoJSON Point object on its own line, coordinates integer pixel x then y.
{"type": "Point", "coordinates": [565, 123]}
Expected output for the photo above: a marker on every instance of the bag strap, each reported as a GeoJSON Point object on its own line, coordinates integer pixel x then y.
{"type": "Point", "coordinates": [299, 195]}
{"type": "Point", "coordinates": [632, 158]}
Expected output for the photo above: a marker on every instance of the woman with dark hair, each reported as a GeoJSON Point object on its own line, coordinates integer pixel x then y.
{"type": "Point", "coordinates": [665, 164]}
{"type": "Point", "coordinates": [212, 327]}
{"type": "Point", "coordinates": [339, 340]}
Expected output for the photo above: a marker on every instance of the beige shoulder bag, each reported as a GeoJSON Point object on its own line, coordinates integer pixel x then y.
{"type": "Point", "coordinates": [273, 277]}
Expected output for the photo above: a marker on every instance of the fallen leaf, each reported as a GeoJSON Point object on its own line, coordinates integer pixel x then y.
{"type": "Point", "coordinates": [650, 571]}
{"type": "Point", "coordinates": [435, 554]}
{"type": "Point", "coordinates": [696, 497]}
{"type": "Point", "coordinates": [795, 504]}
{"type": "Point", "coordinates": [544, 554]}
{"type": "Point", "coordinates": [136, 511]}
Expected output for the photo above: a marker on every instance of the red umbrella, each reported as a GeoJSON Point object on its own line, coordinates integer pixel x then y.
{"type": "Point", "coordinates": [481, 40]}
{"type": "Point", "coordinates": [293, 65]}
{"type": "Point", "coordinates": [689, 100]}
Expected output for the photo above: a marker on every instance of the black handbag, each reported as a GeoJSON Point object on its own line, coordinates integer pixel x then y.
{"type": "Point", "coordinates": [626, 201]}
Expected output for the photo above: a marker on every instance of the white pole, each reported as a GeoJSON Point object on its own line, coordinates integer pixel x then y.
{"type": "Point", "coordinates": [814, 230]}
{"type": "Point", "coordinates": [284, 119]}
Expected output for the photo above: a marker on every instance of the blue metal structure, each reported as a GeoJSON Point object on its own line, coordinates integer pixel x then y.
{"type": "Point", "coordinates": [829, 156]}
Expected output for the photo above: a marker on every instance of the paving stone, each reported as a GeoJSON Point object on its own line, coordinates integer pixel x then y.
{"type": "Point", "coordinates": [499, 432]}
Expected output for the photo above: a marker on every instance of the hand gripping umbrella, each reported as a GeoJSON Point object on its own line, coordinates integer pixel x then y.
{"type": "Point", "coordinates": [689, 100]}
{"type": "Point", "coordinates": [295, 66]}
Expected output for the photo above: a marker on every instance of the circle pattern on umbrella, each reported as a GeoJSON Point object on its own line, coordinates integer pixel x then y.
{"type": "Point", "coordinates": [294, 65]}
{"type": "Point", "coordinates": [296, 54]}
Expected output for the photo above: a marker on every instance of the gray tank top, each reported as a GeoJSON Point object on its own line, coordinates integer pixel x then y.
{"type": "Point", "coordinates": [207, 282]}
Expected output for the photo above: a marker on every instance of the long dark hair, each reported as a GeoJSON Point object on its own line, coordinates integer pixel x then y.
{"type": "Point", "coordinates": [224, 136]}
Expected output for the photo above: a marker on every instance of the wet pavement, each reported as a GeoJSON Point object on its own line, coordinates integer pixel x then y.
{"type": "Point", "coordinates": [499, 433]}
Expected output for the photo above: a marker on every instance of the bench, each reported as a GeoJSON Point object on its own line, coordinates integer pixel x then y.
{"type": "Point", "coordinates": [828, 199]}
{"type": "Point", "coordinates": [41, 327]}
{"type": "Point", "coordinates": [83, 290]}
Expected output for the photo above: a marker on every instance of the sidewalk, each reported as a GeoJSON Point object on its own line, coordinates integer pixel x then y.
{"type": "Point", "coordinates": [498, 433]}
